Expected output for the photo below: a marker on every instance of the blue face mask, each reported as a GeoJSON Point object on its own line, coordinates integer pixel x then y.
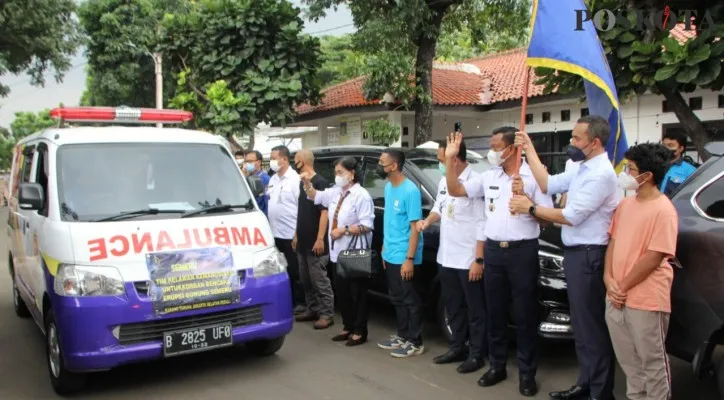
{"type": "Point", "coordinates": [442, 168]}
{"type": "Point", "coordinates": [250, 167]}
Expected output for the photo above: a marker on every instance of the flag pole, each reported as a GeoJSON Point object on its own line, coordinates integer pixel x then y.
{"type": "Point", "coordinates": [523, 112]}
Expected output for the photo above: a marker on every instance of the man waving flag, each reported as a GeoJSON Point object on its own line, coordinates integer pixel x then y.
{"type": "Point", "coordinates": [555, 43]}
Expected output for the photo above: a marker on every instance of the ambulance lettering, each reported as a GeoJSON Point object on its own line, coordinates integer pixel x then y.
{"type": "Point", "coordinates": [137, 243]}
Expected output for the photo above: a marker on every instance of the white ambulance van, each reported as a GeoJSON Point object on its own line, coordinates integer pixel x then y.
{"type": "Point", "coordinates": [132, 243]}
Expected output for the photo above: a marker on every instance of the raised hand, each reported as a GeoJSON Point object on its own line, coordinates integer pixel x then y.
{"type": "Point", "coordinates": [523, 140]}
{"type": "Point", "coordinates": [453, 144]}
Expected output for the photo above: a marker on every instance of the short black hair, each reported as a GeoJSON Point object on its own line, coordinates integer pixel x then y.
{"type": "Point", "coordinates": [462, 153]}
{"type": "Point", "coordinates": [397, 156]}
{"type": "Point", "coordinates": [651, 157]}
{"type": "Point", "coordinates": [597, 127]}
{"type": "Point", "coordinates": [679, 137]}
{"type": "Point", "coordinates": [282, 150]}
{"type": "Point", "coordinates": [508, 133]}
{"type": "Point", "coordinates": [350, 164]}
{"type": "Point", "coordinates": [240, 153]}
{"type": "Point", "coordinates": [258, 155]}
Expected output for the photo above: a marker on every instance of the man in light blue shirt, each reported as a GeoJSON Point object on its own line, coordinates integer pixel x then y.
{"type": "Point", "coordinates": [586, 219]}
{"type": "Point", "coordinates": [401, 253]}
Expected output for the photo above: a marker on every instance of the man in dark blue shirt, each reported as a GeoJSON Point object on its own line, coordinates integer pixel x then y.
{"type": "Point", "coordinates": [680, 168]}
{"type": "Point", "coordinates": [252, 166]}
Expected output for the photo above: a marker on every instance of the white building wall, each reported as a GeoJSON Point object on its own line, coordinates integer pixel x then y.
{"type": "Point", "coordinates": [643, 117]}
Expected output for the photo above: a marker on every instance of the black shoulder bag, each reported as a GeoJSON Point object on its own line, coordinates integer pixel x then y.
{"type": "Point", "coordinates": [355, 263]}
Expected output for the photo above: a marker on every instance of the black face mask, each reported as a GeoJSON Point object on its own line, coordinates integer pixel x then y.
{"type": "Point", "coordinates": [298, 167]}
{"type": "Point", "coordinates": [575, 154]}
{"type": "Point", "coordinates": [381, 171]}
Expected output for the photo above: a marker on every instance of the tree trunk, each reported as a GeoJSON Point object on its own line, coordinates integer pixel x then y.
{"type": "Point", "coordinates": [426, 47]}
{"type": "Point", "coordinates": [689, 121]}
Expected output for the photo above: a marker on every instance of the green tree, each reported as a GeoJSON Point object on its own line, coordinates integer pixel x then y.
{"type": "Point", "coordinates": [382, 131]}
{"type": "Point", "coordinates": [37, 36]}
{"type": "Point", "coordinates": [341, 60]}
{"type": "Point", "coordinates": [122, 34]}
{"type": "Point", "coordinates": [26, 123]}
{"type": "Point", "coordinates": [241, 62]}
{"type": "Point", "coordinates": [651, 60]}
{"type": "Point", "coordinates": [403, 36]}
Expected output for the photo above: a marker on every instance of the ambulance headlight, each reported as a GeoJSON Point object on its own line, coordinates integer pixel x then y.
{"type": "Point", "coordinates": [274, 263]}
{"type": "Point", "coordinates": [83, 281]}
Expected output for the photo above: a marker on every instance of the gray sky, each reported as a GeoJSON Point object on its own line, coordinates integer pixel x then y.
{"type": "Point", "coordinates": [24, 97]}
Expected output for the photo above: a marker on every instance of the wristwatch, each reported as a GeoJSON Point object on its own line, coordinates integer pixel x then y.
{"type": "Point", "coordinates": [411, 258]}
{"type": "Point", "coordinates": [480, 261]}
{"type": "Point", "coordinates": [346, 230]}
{"type": "Point", "coordinates": [531, 210]}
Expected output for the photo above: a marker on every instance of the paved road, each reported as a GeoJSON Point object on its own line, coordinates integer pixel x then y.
{"type": "Point", "coordinates": [309, 366]}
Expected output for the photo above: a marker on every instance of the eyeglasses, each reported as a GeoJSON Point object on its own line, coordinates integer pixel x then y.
{"type": "Point", "coordinates": [627, 169]}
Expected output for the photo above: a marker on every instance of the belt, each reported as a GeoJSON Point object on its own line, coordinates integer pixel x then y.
{"type": "Point", "coordinates": [510, 244]}
{"type": "Point", "coordinates": [585, 247]}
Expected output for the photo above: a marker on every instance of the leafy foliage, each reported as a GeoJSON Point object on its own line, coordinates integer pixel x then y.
{"type": "Point", "coordinates": [652, 60]}
{"type": "Point", "coordinates": [121, 36]}
{"type": "Point", "coordinates": [241, 62]}
{"type": "Point", "coordinates": [36, 37]}
{"type": "Point", "coordinates": [341, 60]}
{"type": "Point", "coordinates": [26, 123]}
{"type": "Point", "coordinates": [382, 131]}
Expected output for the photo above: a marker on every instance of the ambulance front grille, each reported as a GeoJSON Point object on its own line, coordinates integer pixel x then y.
{"type": "Point", "coordinates": [152, 331]}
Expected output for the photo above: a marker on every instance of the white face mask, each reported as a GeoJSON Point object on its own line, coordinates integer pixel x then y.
{"type": "Point", "coordinates": [239, 161]}
{"type": "Point", "coordinates": [627, 182]}
{"type": "Point", "coordinates": [341, 181]}
{"type": "Point", "coordinates": [496, 157]}
{"type": "Point", "coordinates": [274, 165]}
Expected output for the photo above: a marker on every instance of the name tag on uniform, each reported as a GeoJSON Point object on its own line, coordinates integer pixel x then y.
{"type": "Point", "coordinates": [493, 188]}
{"type": "Point", "coordinates": [451, 210]}
{"type": "Point", "coordinates": [443, 192]}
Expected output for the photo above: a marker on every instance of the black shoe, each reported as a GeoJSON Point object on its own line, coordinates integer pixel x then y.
{"type": "Point", "coordinates": [574, 393]}
{"type": "Point", "coordinates": [493, 377]}
{"type": "Point", "coordinates": [450, 357]}
{"type": "Point", "coordinates": [528, 387]}
{"type": "Point", "coordinates": [341, 337]}
{"type": "Point", "coordinates": [471, 365]}
{"type": "Point", "coordinates": [356, 342]}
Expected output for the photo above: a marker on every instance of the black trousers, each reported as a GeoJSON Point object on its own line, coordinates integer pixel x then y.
{"type": "Point", "coordinates": [511, 273]}
{"type": "Point", "coordinates": [352, 299]}
{"type": "Point", "coordinates": [406, 297]}
{"type": "Point", "coordinates": [583, 266]}
{"type": "Point", "coordinates": [285, 246]}
{"type": "Point", "coordinates": [465, 305]}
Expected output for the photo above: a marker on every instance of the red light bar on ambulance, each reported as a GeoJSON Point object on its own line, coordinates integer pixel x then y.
{"type": "Point", "coordinates": [121, 114]}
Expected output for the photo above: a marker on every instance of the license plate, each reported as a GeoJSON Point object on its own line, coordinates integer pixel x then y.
{"type": "Point", "coordinates": [197, 339]}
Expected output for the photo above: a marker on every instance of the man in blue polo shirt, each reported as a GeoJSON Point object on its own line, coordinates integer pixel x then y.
{"type": "Point", "coordinates": [680, 168]}
{"type": "Point", "coordinates": [401, 253]}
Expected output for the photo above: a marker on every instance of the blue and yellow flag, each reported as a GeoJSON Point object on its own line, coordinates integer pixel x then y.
{"type": "Point", "coordinates": [555, 43]}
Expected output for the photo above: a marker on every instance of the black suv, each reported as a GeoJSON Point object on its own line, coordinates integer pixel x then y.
{"type": "Point", "coordinates": [421, 167]}
{"type": "Point", "coordinates": [696, 326]}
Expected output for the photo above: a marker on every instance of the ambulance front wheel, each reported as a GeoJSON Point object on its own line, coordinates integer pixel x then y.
{"type": "Point", "coordinates": [64, 382]}
{"type": "Point", "coordinates": [265, 348]}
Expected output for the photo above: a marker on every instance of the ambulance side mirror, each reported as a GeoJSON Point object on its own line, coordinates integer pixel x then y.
{"type": "Point", "coordinates": [257, 188]}
{"type": "Point", "coordinates": [30, 196]}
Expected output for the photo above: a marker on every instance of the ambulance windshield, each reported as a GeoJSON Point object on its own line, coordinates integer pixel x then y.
{"type": "Point", "coordinates": [102, 179]}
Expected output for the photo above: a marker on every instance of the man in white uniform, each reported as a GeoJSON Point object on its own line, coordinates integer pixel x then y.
{"type": "Point", "coordinates": [461, 260]}
{"type": "Point", "coordinates": [283, 195]}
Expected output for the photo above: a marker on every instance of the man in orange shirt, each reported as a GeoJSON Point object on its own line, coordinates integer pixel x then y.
{"type": "Point", "coordinates": [638, 275]}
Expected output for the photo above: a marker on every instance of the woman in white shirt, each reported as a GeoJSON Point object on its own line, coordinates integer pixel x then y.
{"type": "Point", "coordinates": [351, 214]}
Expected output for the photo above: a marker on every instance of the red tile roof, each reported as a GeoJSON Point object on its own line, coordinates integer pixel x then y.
{"type": "Point", "coordinates": [453, 85]}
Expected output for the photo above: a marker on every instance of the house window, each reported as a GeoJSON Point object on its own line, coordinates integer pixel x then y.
{"type": "Point", "coordinates": [665, 106]}
{"type": "Point", "coordinates": [405, 144]}
{"type": "Point", "coordinates": [584, 112]}
{"type": "Point", "coordinates": [695, 103]}
{"type": "Point", "coordinates": [529, 118]}
{"type": "Point", "coordinates": [405, 131]}
{"type": "Point", "coordinates": [721, 101]}
{"type": "Point", "coordinates": [546, 117]}
{"type": "Point", "coordinates": [565, 115]}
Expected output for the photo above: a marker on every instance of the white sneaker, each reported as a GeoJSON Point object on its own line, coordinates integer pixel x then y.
{"type": "Point", "coordinates": [408, 350]}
